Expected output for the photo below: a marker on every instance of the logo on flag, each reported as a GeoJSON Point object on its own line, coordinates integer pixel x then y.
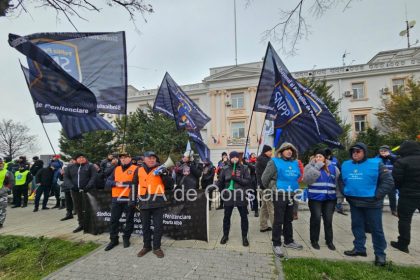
{"type": "Point", "coordinates": [65, 54]}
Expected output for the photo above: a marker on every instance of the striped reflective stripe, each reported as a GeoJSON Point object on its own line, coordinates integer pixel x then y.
{"type": "Point", "coordinates": [321, 191]}
{"type": "Point", "coordinates": [322, 184]}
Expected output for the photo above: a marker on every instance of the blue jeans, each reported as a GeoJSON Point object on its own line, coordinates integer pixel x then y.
{"type": "Point", "coordinates": [360, 216]}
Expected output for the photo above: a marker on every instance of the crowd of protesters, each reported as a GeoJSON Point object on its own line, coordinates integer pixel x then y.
{"type": "Point", "coordinates": [272, 183]}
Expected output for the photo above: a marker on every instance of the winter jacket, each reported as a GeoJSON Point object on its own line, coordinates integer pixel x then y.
{"type": "Point", "coordinates": [45, 176]}
{"type": "Point", "coordinates": [312, 172]}
{"type": "Point", "coordinates": [269, 176]}
{"type": "Point", "coordinates": [57, 165]}
{"type": "Point", "coordinates": [153, 201]}
{"type": "Point", "coordinates": [241, 183]}
{"type": "Point", "coordinates": [252, 172]}
{"type": "Point", "coordinates": [208, 176]}
{"type": "Point", "coordinates": [384, 186]}
{"type": "Point", "coordinates": [190, 181]}
{"type": "Point", "coordinates": [81, 176]}
{"type": "Point", "coordinates": [36, 167]}
{"type": "Point", "coordinates": [67, 185]}
{"type": "Point", "coordinates": [406, 170]}
{"type": "Point", "coordinates": [262, 162]}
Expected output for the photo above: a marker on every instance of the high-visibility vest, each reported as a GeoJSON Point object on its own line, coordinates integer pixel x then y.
{"type": "Point", "coordinates": [3, 173]}
{"type": "Point", "coordinates": [149, 183]}
{"type": "Point", "coordinates": [288, 174]}
{"type": "Point", "coordinates": [324, 188]}
{"type": "Point", "coordinates": [20, 177]}
{"type": "Point", "coordinates": [360, 179]}
{"type": "Point", "coordinates": [123, 176]}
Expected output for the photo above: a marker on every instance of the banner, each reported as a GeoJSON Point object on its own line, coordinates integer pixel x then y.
{"type": "Point", "coordinates": [181, 219]}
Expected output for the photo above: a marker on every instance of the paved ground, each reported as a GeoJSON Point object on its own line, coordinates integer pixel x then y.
{"type": "Point", "coordinates": [201, 260]}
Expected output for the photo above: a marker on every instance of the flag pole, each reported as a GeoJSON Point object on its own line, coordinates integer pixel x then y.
{"type": "Point", "coordinates": [124, 130]}
{"type": "Point", "coordinates": [262, 129]}
{"type": "Point", "coordinates": [48, 137]}
{"type": "Point", "coordinates": [249, 128]}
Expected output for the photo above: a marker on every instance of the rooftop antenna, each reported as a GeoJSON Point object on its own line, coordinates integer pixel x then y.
{"type": "Point", "coordinates": [406, 32]}
{"type": "Point", "coordinates": [344, 56]}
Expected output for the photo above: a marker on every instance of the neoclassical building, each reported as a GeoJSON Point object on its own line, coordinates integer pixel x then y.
{"type": "Point", "coordinates": [228, 93]}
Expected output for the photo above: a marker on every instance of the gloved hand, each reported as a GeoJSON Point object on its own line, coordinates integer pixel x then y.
{"type": "Point", "coordinates": [163, 172]}
{"type": "Point", "coordinates": [319, 165]}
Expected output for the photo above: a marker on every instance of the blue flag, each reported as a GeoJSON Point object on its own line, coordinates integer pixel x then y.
{"type": "Point", "coordinates": [172, 101]}
{"type": "Point", "coordinates": [75, 75]}
{"type": "Point", "coordinates": [301, 115]}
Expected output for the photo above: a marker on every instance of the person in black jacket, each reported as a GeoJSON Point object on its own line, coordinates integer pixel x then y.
{"type": "Point", "coordinates": [251, 164]}
{"type": "Point", "coordinates": [208, 178]}
{"type": "Point", "coordinates": [234, 181]}
{"type": "Point", "coordinates": [267, 208]}
{"type": "Point", "coordinates": [36, 166]}
{"type": "Point", "coordinates": [188, 173]}
{"type": "Point", "coordinates": [81, 178]}
{"type": "Point", "coordinates": [67, 187]}
{"type": "Point", "coordinates": [44, 179]}
{"type": "Point", "coordinates": [406, 174]}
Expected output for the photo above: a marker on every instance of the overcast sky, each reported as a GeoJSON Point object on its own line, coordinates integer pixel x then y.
{"type": "Point", "coordinates": [187, 37]}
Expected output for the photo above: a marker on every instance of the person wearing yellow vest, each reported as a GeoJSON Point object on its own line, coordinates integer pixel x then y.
{"type": "Point", "coordinates": [22, 179]}
{"type": "Point", "coordinates": [6, 183]}
{"type": "Point", "coordinates": [123, 200]}
{"type": "Point", "coordinates": [151, 195]}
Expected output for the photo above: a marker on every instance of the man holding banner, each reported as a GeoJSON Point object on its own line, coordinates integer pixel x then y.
{"type": "Point", "coordinates": [121, 182]}
{"type": "Point", "coordinates": [151, 182]}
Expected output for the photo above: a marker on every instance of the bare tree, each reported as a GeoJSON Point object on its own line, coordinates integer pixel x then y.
{"type": "Point", "coordinates": [71, 8]}
{"type": "Point", "coordinates": [15, 139]}
{"type": "Point", "coordinates": [293, 24]}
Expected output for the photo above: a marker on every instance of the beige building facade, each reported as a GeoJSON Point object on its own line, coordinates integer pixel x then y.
{"type": "Point", "coordinates": [227, 95]}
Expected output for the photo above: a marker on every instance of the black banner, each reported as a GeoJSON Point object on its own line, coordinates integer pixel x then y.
{"type": "Point", "coordinates": [181, 219]}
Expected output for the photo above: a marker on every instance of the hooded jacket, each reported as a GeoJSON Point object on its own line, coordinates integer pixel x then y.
{"type": "Point", "coordinates": [384, 185]}
{"type": "Point", "coordinates": [269, 176]}
{"type": "Point", "coordinates": [406, 170]}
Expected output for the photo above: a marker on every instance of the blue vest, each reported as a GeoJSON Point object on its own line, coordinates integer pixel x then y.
{"type": "Point", "coordinates": [288, 174]}
{"type": "Point", "coordinates": [324, 187]}
{"type": "Point", "coordinates": [360, 180]}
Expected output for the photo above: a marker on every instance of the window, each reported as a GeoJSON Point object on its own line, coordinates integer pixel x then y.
{"type": "Point", "coordinates": [360, 123]}
{"type": "Point", "coordinates": [238, 129]}
{"type": "Point", "coordinates": [358, 90]}
{"type": "Point", "coordinates": [237, 100]}
{"type": "Point", "coordinates": [398, 85]}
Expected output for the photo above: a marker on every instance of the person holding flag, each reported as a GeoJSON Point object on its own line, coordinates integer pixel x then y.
{"type": "Point", "coordinates": [121, 182]}
{"type": "Point", "coordinates": [281, 176]}
{"type": "Point", "coordinates": [234, 181]}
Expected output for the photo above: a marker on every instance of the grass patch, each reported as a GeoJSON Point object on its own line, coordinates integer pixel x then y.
{"type": "Point", "coordinates": [34, 258]}
{"type": "Point", "coordinates": [303, 268]}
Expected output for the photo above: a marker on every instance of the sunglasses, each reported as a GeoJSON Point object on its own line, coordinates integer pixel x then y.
{"type": "Point", "coordinates": [356, 151]}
